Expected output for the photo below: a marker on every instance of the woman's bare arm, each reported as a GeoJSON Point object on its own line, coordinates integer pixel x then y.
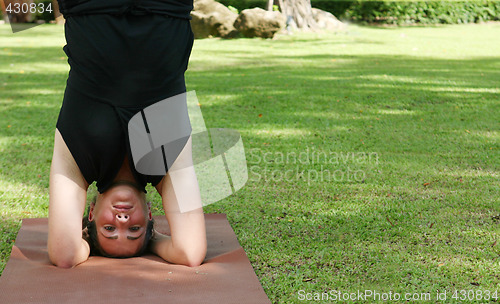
{"type": "Point", "coordinates": [68, 194]}
{"type": "Point", "coordinates": [181, 199]}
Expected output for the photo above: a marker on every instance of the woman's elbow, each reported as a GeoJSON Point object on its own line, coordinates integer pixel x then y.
{"type": "Point", "coordinates": [61, 261]}
{"type": "Point", "coordinates": [194, 261]}
{"type": "Point", "coordinates": [193, 257]}
{"type": "Point", "coordinates": [63, 264]}
{"type": "Point", "coordinates": [66, 256]}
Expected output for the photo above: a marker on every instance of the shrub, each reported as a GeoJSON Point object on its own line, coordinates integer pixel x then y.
{"type": "Point", "coordinates": [423, 12]}
{"type": "Point", "coordinates": [399, 12]}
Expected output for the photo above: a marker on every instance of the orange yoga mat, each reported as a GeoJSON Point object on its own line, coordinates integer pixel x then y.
{"type": "Point", "coordinates": [226, 276]}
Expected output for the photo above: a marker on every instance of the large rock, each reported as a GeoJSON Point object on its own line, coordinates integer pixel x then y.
{"type": "Point", "coordinates": [212, 19]}
{"type": "Point", "coordinates": [257, 22]}
{"type": "Point", "coordinates": [327, 21]}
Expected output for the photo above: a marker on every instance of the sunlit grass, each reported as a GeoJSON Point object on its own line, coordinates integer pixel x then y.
{"type": "Point", "coordinates": [421, 216]}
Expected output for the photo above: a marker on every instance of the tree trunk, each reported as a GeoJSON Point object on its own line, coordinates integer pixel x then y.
{"type": "Point", "coordinates": [300, 11]}
{"type": "Point", "coordinates": [5, 17]}
{"type": "Point", "coordinates": [270, 4]}
{"type": "Point", "coordinates": [19, 17]}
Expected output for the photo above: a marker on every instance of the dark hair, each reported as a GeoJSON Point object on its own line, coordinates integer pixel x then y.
{"type": "Point", "coordinates": [95, 247]}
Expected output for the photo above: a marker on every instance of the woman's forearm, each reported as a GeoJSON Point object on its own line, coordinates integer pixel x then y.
{"type": "Point", "coordinates": [67, 196]}
{"type": "Point", "coordinates": [183, 210]}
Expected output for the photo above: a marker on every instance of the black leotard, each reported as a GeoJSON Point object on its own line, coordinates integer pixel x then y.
{"type": "Point", "coordinates": [173, 8]}
{"type": "Point", "coordinates": [120, 64]}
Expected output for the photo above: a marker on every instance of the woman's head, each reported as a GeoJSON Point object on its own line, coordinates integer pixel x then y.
{"type": "Point", "coordinates": [120, 223]}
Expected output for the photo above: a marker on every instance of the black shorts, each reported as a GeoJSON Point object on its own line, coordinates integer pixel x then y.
{"type": "Point", "coordinates": [120, 64]}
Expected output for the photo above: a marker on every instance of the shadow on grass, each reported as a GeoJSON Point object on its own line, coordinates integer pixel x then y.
{"type": "Point", "coordinates": [430, 121]}
{"type": "Point", "coordinates": [31, 89]}
{"type": "Point", "coordinates": [433, 125]}
{"type": "Point", "coordinates": [394, 104]}
{"type": "Point", "coordinates": [387, 104]}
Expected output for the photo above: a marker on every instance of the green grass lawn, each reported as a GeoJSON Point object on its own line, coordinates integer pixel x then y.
{"type": "Point", "coordinates": [373, 154]}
